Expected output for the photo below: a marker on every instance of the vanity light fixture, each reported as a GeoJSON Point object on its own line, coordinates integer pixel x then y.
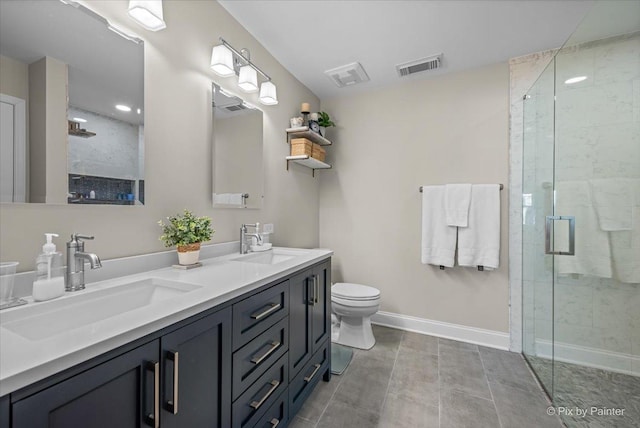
{"type": "Point", "coordinates": [123, 107]}
{"type": "Point", "coordinates": [575, 80]}
{"type": "Point", "coordinates": [79, 119]}
{"type": "Point", "coordinates": [227, 61]}
{"type": "Point", "coordinates": [147, 13]}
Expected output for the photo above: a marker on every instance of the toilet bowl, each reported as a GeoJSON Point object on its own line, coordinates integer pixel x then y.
{"type": "Point", "coordinates": [354, 304]}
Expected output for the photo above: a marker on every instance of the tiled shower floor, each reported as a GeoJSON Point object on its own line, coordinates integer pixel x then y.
{"type": "Point", "coordinates": [412, 380]}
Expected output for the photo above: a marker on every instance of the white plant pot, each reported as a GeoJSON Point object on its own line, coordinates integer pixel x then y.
{"type": "Point", "coordinates": [189, 254]}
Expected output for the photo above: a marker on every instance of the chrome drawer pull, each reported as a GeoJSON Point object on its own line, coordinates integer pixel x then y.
{"type": "Point", "coordinates": [274, 422]}
{"type": "Point", "coordinates": [258, 360]}
{"type": "Point", "coordinates": [274, 385]}
{"type": "Point", "coordinates": [274, 307]}
{"type": "Point", "coordinates": [153, 419]}
{"type": "Point", "coordinates": [308, 378]}
{"type": "Point", "coordinates": [316, 290]}
{"type": "Point", "coordinates": [173, 404]}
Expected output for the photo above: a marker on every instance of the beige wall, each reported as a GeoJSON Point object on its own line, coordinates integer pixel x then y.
{"type": "Point", "coordinates": [389, 142]}
{"type": "Point", "coordinates": [178, 148]}
{"type": "Point", "coordinates": [14, 78]}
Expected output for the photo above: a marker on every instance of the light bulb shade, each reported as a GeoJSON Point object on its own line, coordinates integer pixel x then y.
{"type": "Point", "coordinates": [248, 79]}
{"type": "Point", "coordinates": [222, 61]}
{"type": "Point", "coordinates": [268, 95]}
{"type": "Point", "coordinates": [147, 13]}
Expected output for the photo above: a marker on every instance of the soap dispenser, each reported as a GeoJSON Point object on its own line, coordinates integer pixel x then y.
{"type": "Point", "coordinates": [49, 282]}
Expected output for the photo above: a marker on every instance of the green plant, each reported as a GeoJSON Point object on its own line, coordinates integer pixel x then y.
{"type": "Point", "coordinates": [185, 229]}
{"type": "Point", "coordinates": [324, 120]}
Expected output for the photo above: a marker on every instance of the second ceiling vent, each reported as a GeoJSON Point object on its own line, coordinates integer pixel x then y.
{"type": "Point", "coordinates": [425, 64]}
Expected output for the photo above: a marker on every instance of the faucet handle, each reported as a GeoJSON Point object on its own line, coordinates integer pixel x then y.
{"type": "Point", "coordinates": [76, 236]}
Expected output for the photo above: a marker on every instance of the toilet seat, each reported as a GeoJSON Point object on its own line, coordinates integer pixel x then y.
{"type": "Point", "coordinates": [354, 292]}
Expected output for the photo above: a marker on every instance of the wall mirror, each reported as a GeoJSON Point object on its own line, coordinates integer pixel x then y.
{"type": "Point", "coordinates": [237, 152]}
{"type": "Point", "coordinates": [71, 92]}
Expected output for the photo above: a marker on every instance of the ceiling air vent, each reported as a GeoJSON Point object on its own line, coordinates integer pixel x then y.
{"type": "Point", "coordinates": [236, 107]}
{"type": "Point", "coordinates": [348, 75]}
{"type": "Point", "coordinates": [425, 64]}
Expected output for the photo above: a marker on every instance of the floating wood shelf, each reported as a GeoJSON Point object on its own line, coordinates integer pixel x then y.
{"type": "Point", "coordinates": [305, 132]}
{"type": "Point", "coordinates": [307, 161]}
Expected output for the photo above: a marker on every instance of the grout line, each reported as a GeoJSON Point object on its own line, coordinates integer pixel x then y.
{"type": "Point", "coordinates": [484, 370]}
{"type": "Point", "coordinates": [439, 388]}
{"type": "Point", "coordinates": [395, 360]}
{"type": "Point", "coordinates": [346, 370]}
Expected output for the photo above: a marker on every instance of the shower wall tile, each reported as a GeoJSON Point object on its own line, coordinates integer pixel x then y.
{"type": "Point", "coordinates": [625, 54]}
{"type": "Point", "coordinates": [636, 99]}
{"type": "Point", "coordinates": [573, 305]}
{"type": "Point", "coordinates": [594, 106]}
{"type": "Point", "coordinates": [616, 307]}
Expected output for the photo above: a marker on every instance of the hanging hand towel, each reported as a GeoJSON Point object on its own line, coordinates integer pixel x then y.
{"type": "Point", "coordinates": [625, 244]}
{"type": "Point", "coordinates": [457, 198]}
{"type": "Point", "coordinates": [438, 239]}
{"type": "Point", "coordinates": [479, 243]}
{"type": "Point", "coordinates": [613, 202]}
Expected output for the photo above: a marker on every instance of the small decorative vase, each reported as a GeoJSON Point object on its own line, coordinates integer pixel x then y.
{"type": "Point", "coordinates": [188, 254]}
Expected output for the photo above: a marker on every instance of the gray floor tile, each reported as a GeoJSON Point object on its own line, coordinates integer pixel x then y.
{"type": "Point", "coordinates": [342, 415]}
{"type": "Point", "coordinates": [319, 399]}
{"type": "Point", "coordinates": [461, 369]}
{"type": "Point", "coordinates": [399, 412]}
{"type": "Point", "coordinates": [300, 423]}
{"type": "Point", "coordinates": [460, 410]}
{"type": "Point", "coordinates": [508, 368]}
{"type": "Point", "coordinates": [518, 407]}
{"type": "Point", "coordinates": [419, 343]}
{"type": "Point", "coordinates": [459, 346]}
{"type": "Point", "coordinates": [415, 378]}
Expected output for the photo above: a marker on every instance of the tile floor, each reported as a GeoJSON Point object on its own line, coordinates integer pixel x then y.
{"type": "Point", "coordinates": [411, 380]}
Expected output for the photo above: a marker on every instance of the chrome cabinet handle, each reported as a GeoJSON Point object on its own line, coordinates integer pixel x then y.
{"type": "Point", "coordinates": [312, 299]}
{"type": "Point", "coordinates": [173, 404]}
{"type": "Point", "coordinates": [274, 422]}
{"type": "Point", "coordinates": [316, 290]}
{"type": "Point", "coordinates": [308, 378]}
{"type": "Point", "coordinates": [256, 404]}
{"type": "Point", "coordinates": [258, 360]}
{"type": "Point", "coordinates": [572, 235]}
{"type": "Point", "coordinates": [153, 419]}
{"type": "Point", "coordinates": [274, 307]}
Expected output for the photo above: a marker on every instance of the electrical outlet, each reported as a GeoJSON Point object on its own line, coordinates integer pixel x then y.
{"type": "Point", "coordinates": [267, 228]}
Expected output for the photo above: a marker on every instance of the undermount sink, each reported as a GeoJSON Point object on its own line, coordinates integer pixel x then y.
{"type": "Point", "coordinates": [270, 257]}
{"type": "Point", "coordinates": [59, 316]}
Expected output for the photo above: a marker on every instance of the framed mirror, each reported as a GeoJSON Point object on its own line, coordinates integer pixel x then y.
{"type": "Point", "coordinates": [72, 95]}
{"type": "Point", "coordinates": [237, 152]}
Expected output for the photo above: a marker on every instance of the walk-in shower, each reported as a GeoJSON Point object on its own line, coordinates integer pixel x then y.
{"type": "Point", "coordinates": [581, 221]}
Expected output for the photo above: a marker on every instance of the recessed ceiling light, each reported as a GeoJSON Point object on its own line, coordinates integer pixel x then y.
{"type": "Point", "coordinates": [138, 111]}
{"type": "Point", "coordinates": [575, 80]}
{"type": "Point", "coordinates": [123, 107]}
{"type": "Point", "coordinates": [79, 119]}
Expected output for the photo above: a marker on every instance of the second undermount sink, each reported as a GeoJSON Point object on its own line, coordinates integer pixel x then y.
{"type": "Point", "coordinates": [59, 316]}
{"type": "Point", "coordinates": [270, 257]}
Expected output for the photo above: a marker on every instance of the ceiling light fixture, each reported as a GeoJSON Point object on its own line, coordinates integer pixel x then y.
{"type": "Point", "coordinates": [123, 107]}
{"type": "Point", "coordinates": [575, 80]}
{"type": "Point", "coordinates": [227, 61]}
{"type": "Point", "coordinates": [147, 13]}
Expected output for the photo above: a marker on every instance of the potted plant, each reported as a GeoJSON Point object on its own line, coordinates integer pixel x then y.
{"type": "Point", "coordinates": [186, 232]}
{"type": "Point", "coordinates": [324, 121]}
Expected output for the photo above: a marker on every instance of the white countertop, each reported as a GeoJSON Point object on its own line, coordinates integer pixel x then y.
{"type": "Point", "coordinates": [24, 361]}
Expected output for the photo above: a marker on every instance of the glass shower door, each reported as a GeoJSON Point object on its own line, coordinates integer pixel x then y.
{"type": "Point", "coordinates": [537, 205]}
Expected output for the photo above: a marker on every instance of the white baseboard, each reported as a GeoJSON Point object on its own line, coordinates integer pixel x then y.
{"type": "Point", "coordinates": [463, 333]}
{"type": "Point", "coordinates": [590, 357]}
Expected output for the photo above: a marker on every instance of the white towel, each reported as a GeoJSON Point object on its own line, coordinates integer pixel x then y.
{"type": "Point", "coordinates": [438, 239]}
{"type": "Point", "coordinates": [613, 202]}
{"type": "Point", "coordinates": [457, 198]}
{"type": "Point", "coordinates": [231, 199]}
{"type": "Point", "coordinates": [479, 243]}
{"type": "Point", "coordinates": [592, 248]}
{"type": "Point", "coordinates": [625, 245]}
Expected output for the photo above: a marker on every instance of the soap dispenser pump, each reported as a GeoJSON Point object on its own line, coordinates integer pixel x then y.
{"type": "Point", "coordinates": [49, 282]}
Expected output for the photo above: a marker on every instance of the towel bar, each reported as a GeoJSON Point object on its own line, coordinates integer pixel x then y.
{"type": "Point", "coordinates": [501, 187]}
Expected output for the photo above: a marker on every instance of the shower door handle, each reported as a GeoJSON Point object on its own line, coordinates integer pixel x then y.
{"type": "Point", "coordinates": [572, 235]}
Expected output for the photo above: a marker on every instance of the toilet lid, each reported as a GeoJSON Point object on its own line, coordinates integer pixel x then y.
{"type": "Point", "coordinates": [345, 290]}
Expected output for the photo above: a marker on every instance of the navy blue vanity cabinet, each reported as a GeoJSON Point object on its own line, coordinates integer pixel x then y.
{"type": "Point", "coordinates": [196, 374]}
{"type": "Point", "coordinates": [122, 392]}
{"type": "Point", "coordinates": [309, 314]}
{"type": "Point", "coordinates": [5, 420]}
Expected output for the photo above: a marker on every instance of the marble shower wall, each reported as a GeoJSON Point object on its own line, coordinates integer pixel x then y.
{"type": "Point", "coordinates": [597, 135]}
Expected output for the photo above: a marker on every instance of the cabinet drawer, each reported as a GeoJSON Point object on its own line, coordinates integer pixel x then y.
{"type": "Point", "coordinates": [302, 385]}
{"type": "Point", "coordinates": [257, 313]}
{"type": "Point", "coordinates": [277, 415]}
{"type": "Point", "coordinates": [250, 361]}
{"type": "Point", "coordinates": [252, 405]}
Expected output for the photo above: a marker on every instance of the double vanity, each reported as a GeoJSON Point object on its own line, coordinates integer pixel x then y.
{"type": "Point", "coordinates": [239, 342]}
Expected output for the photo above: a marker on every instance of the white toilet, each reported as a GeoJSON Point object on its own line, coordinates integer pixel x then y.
{"type": "Point", "coordinates": [354, 304]}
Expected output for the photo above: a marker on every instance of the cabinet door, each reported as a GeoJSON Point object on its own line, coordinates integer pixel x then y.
{"type": "Point", "coordinates": [196, 379]}
{"type": "Point", "coordinates": [321, 305]}
{"type": "Point", "coordinates": [4, 412]}
{"type": "Point", "coordinates": [300, 341]}
{"type": "Point", "coordinates": [119, 393]}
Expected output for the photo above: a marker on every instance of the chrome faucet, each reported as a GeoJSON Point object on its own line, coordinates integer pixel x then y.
{"type": "Point", "coordinates": [76, 258]}
{"type": "Point", "coordinates": [244, 248]}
